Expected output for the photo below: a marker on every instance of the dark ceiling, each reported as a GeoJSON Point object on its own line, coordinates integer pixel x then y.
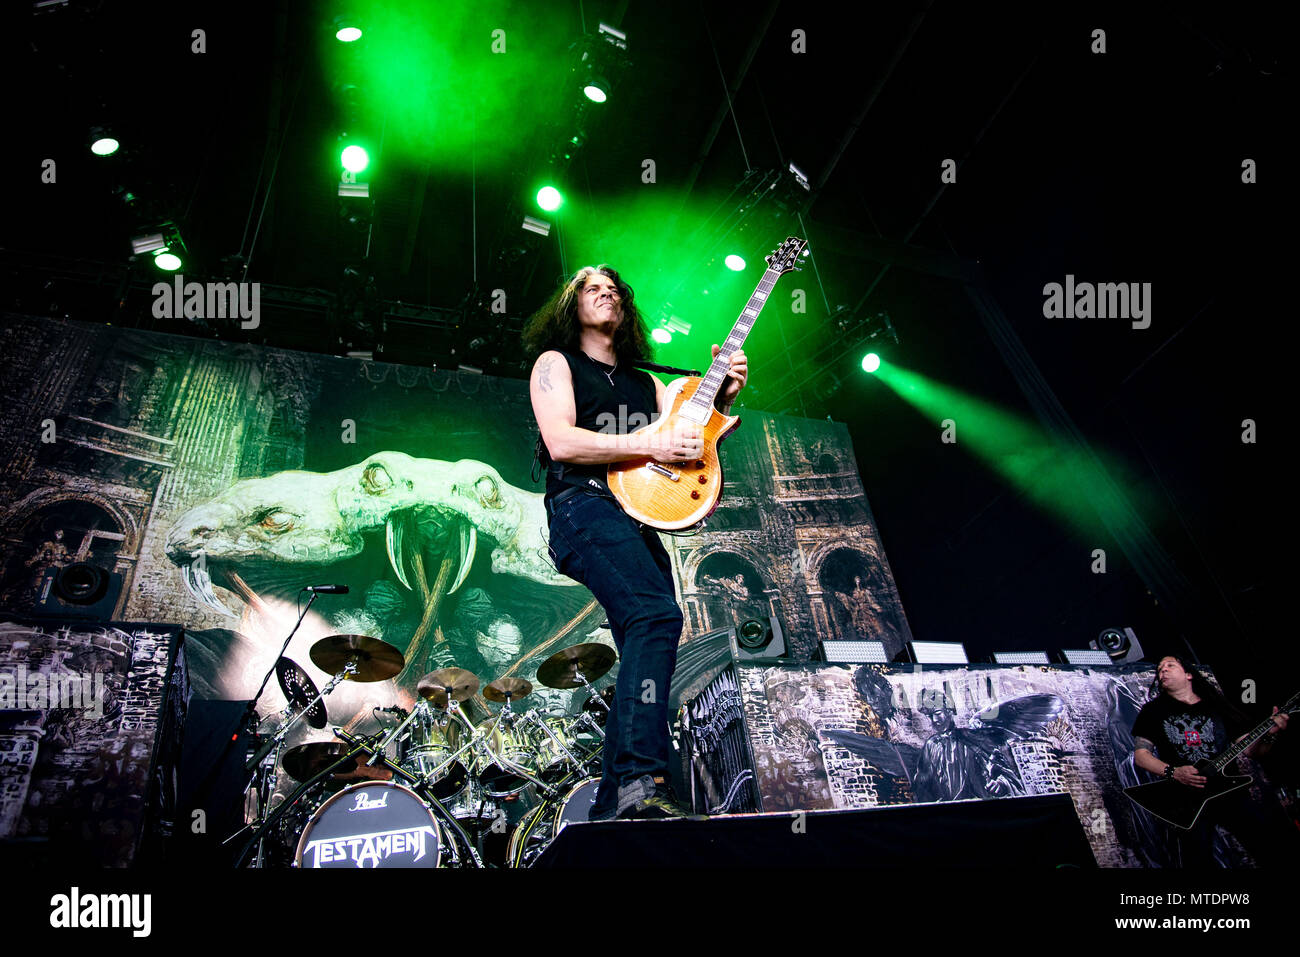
{"type": "Point", "coordinates": [1117, 167]}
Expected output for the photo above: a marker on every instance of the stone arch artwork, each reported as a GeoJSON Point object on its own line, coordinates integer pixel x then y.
{"type": "Point", "coordinates": [858, 595]}
{"type": "Point", "coordinates": [729, 587]}
{"type": "Point", "coordinates": [56, 528]}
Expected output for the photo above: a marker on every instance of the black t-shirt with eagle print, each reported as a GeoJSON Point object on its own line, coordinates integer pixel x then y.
{"type": "Point", "coordinates": [1183, 733]}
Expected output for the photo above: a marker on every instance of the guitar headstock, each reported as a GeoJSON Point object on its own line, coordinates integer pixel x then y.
{"type": "Point", "coordinates": [786, 256]}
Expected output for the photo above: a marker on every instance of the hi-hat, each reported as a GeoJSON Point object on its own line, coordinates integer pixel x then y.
{"type": "Point", "coordinates": [507, 688]}
{"type": "Point", "coordinates": [435, 686]}
{"type": "Point", "coordinates": [375, 660]}
{"type": "Point", "coordinates": [591, 660]}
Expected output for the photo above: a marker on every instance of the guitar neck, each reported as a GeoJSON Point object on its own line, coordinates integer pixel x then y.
{"type": "Point", "coordinates": [1239, 748]}
{"type": "Point", "coordinates": [713, 380]}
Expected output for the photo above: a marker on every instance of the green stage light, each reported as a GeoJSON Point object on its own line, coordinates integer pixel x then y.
{"type": "Point", "coordinates": [735, 263]}
{"type": "Point", "coordinates": [165, 260]}
{"type": "Point", "coordinates": [104, 146]}
{"type": "Point", "coordinates": [348, 34]}
{"type": "Point", "coordinates": [661, 335]}
{"type": "Point", "coordinates": [549, 198]}
{"type": "Point", "coordinates": [355, 158]}
{"type": "Point", "coordinates": [597, 90]}
{"type": "Point", "coordinates": [870, 362]}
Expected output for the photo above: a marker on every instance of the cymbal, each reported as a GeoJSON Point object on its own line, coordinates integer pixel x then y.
{"type": "Point", "coordinates": [433, 686]}
{"type": "Point", "coordinates": [591, 660]}
{"type": "Point", "coordinates": [300, 691]}
{"type": "Point", "coordinates": [307, 760]}
{"type": "Point", "coordinates": [512, 688]}
{"type": "Point", "coordinates": [376, 660]}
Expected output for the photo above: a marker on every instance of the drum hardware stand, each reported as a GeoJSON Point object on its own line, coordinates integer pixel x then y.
{"type": "Point", "coordinates": [539, 723]}
{"type": "Point", "coordinates": [388, 739]}
{"type": "Point", "coordinates": [260, 834]}
{"type": "Point", "coordinates": [277, 740]}
{"type": "Point", "coordinates": [591, 690]}
{"type": "Point", "coordinates": [420, 787]}
{"type": "Point", "coordinates": [504, 763]}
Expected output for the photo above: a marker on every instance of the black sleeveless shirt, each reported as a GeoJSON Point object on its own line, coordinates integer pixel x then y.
{"type": "Point", "coordinates": [611, 399]}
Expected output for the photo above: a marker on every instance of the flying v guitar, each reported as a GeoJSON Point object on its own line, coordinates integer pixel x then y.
{"type": "Point", "coordinates": [672, 497]}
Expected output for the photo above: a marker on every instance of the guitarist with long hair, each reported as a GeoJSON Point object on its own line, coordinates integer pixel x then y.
{"type": "Point", "coordinates": [1187, 721]}
{"type": "Point", "coordinates": [588, 399]}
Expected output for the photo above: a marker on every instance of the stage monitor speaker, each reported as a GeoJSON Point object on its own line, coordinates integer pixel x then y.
{"type": "Point", "coordinates": [80, 590]}
{"type": "Point", "coordinates": [758, 638]}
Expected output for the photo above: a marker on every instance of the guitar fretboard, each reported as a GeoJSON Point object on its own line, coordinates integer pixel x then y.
{"type": "Point", "coordinates": [713, 380]}
{"type": "Point", "coordinates": [1236, 751]}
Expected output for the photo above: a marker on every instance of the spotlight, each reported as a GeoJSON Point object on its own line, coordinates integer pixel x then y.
{"type": "Point", "coordinates": [1120, 643]}
{"type": "Point", "coordinates": [937, 652]}
{"type": "Point", "coordinates": [597, 89]}
{"type": "Point", "coordinates": [102, 141]}
{"type": "Point", "coordinates": [165, 244]}
{"type": "Point", "coordinates": [850, 652]}
{"type": "Point", "coordinates": [734, 263]}
{"type": "Point", "coordinates": [354, 158]}
{"type": "Point", "coordinates": [549, 198]}
{"type": "Point", "coordinates": [539, 226]}
{"type": "Point", "coordinates": [1021, 658]}
{"type": "Point", "coordinates": [1085, 656]}
{"type": "Point", "coordinates": [347, 28]}
{"type": "Point", "coordinates": [870, 362]}
{"type": "Point", "coordinates": [661, 336]}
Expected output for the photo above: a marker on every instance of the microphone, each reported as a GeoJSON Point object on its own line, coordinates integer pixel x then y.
{"type": "Point", "coordinates": [327, 589]}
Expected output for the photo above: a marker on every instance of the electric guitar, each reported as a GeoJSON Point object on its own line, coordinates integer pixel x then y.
{"type": "Point", "coordinates": [1181, 804]}
{"type": "Point", "coordinates": [672, 496]}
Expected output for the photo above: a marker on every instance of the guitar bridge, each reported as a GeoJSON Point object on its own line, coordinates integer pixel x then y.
{"type": "Point", "coordinates": [667, 473]}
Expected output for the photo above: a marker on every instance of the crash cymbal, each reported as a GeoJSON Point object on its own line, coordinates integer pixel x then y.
{"type": "Point", "coordinates": [307, 760]}
{"type": "Point", "coordinates": [503, 688]}
{"type": "Point", "coordinates": [300, 691]}
{"type": "Point", "coordinates": [591, 660]}
{"type": "Point", "coordinates": [433, 687]}
{"type": "Point", "coordinates": [376, 660]}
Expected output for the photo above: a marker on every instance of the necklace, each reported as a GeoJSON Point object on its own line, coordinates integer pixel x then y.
{"type": "Point", "coordinates": [608, 375]}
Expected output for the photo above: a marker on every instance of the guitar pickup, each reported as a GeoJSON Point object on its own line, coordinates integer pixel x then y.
{"type": "Point", "coordinates": [667, 473]}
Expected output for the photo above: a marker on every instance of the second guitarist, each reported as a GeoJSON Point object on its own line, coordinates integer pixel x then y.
{"type": "Point", "coordinates": [1188, 721]}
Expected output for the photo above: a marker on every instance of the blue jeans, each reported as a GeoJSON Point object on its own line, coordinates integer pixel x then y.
{"type": "Point", "coordinates": [627, 569]}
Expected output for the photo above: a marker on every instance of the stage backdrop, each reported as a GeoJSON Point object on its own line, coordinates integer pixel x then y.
{"type": "Point", "coordinates": [860, 736]}
{"type": "Point", "coordinates": [218, 479]}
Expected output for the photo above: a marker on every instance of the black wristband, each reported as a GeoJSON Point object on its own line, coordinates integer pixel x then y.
{"type": "Point", "coordinates": [1169, 770]}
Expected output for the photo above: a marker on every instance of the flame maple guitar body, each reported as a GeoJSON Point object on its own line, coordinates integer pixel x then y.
{"type": "Point", "coordinates": [677, 495]}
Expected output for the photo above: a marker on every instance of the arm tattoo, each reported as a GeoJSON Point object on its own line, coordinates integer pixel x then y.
{"type": "Point", "coordinates": [544, 373]}
{"type": "Point", "coordinates": [1140, 743]}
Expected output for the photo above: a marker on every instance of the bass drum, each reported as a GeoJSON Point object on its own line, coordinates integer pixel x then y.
{"type": "Point", "coordinates": [377, 824]}
{"type": "Point", "coordinates": [536, 831]}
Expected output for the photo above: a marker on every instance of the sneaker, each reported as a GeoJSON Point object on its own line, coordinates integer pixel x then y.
{"type": "Point", "coordinates": [660, 802]}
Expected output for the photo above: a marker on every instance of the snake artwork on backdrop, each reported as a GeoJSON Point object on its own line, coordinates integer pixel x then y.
{"type": "Point", "coordinates": [272, 535]}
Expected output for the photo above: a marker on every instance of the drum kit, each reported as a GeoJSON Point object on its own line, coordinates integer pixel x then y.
{"type": "Point", "coordinates": [433, 788]}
